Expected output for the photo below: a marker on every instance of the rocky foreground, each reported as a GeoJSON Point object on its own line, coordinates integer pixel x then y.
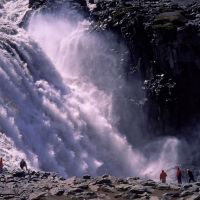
{"type": "Point", "coordinates": [21, 185]}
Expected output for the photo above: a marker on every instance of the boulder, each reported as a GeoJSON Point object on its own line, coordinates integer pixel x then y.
{"type": "Point", "coordinates": [104, 181]}
{"type": "Point", "coordinates": [36, 195]}
{"type": "Point", "coordinates": [19, 174]}
{"type": "Point", "coordinates": [57, 191]}
{"type": "Point", "coordinates": [87, 177]}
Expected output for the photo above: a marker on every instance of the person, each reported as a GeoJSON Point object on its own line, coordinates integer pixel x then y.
{"type": "Point", "coordinates": [190, 175]}
{"type": "Point", "coordinates": [163, 176]}
{"type": "Point", "coordinates": [178, 175]}
{"type": "Point", "coordinates": [1, 165]}
{"type": "Point", "coordinates": [23, 164]}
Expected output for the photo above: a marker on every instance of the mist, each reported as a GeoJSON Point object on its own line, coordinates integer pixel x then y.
{"type": "Point", "coordinates": [92, 66]}
{"type": "Point", "coordinates": [66, 105]}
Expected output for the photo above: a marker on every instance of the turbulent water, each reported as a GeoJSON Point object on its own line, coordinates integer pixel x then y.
{"type": "Point", "coordinates": [57, 82]}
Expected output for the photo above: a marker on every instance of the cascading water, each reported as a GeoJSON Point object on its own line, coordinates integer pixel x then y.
{"type": "Point", "coordinates": [51, 111]}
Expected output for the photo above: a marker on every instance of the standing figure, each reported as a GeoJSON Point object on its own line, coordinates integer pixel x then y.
{"type": "Point", "coordinates": [178, 175]}
{"type": "Point", "coordinates": [163, 176]}
{"type": "Point", "coordinates": [1, 165]}
{"type": "Point", "coordinates": [23, 164]}
{"type": "Point", "coordinates": [190, 175]}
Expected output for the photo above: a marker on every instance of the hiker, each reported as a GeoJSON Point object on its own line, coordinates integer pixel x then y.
{"type": "Point", "coordinates": [178, 175]}
{"type": "Point", "coordinates": [190, 175]}
{"type": "Point", "coordinates": [163, 176]}
{"type": "Point", "coordinates": [1, 165]}
{"type": "Point", "coordinates": [23, 164]}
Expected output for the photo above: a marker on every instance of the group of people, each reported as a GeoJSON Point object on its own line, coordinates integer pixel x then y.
{"type": "Point", "coordinates": [163, 176]}
{"type": "Point", "coordinates": [22, 165]}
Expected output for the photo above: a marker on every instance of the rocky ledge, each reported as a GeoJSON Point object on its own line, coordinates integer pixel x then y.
{"type": "Point", "coordinates": [20, 185]}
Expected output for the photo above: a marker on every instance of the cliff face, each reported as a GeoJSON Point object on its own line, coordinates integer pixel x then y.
{"type": "Point", "coordinates": [164, 41]}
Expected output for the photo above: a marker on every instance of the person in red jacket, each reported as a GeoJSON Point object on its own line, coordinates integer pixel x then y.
{"type": "Point", "coordinates": [163, 176]}
{"type": "Point", "coordinates": [1, 165]}
{"type": "Point", "coordinates": [178, 175]}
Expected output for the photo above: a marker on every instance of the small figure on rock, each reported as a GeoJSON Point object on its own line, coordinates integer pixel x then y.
{"type": "Point", "coordinates": [23, 164]}
{"type": "Point", "coordinates": [163, 176]}
{"type": "Point", "coordinates": [190, 175]}
{"type": "Point", "coordinates": [1, 165]}
{"type": "Point", "coordinates": [178, 175]}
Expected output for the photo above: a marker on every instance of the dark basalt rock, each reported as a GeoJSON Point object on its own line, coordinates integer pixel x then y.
{"type": "Point", "coordinates": [19, 174]}
{"type": "Point", "coordinates": [49, 5]}
{"type": "Point", "coordinates": [36, 3]}
{"type": "Point", "coordinates": [86, 177]}
{"type": "Point", "coordinates": [164, 39]}
{"type": "Point", "coordinates": [104, 181]}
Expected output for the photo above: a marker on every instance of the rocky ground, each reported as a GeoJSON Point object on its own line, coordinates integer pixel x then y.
{"type": "Point", "coordinates": [21, 185]}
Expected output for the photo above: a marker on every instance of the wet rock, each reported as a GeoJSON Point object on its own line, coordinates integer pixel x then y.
{"type": "Point", "coordinates": [163, 186]}
{"type": "Point", "coordinates": [171, 194]}
{"type": "Point", "coordinates": [122, 181]}
{"type": "Point", "coordinates": [104, 181]}
{"type": "Point", "coordinates": [150, 183]}
{"type": "Point", "coordinates": [83, 186]}
{"type": "Point", "coordinates": [194, 197]}
{"type": "Point", "coordinates": [137, 189]}
{"type": "Point", "coordinates": [149, 189]}
{"type": "Point", "coordinates": [193, 189]}
{"type": "Point", "coordinates": [123, 187]}
{"type": "Point", "coordinates": [186, 186]}
{"type": "Point", "coordinates": [19, 174]}
{"type": "Point", "coordinates": [106, 188]}
{"type": "Point", "coordinates": [174, 187]}
{"type": "Point", "coordinates": [185, 193]}
{"type": "Point", "coordinates": [50, 186]}
{"type": "Point", "coordinates": [197, 183]}
{"type": "Point", "coordinates": [86, 177]}
{"type": "Point", "coordinates": [75, 191]}
{"type": "Point", "coordinates": [36, 196]}
{"type": "Point", "coordinates": [105, 176]}
{"type": "Point", "coordinates": [154, 198]}
{"type": "Point", "coordinates": [88, 195]}
{"type": "Point", "coordinates": [57, 191]}
{"type": "Point", "coordinates": [166, 198]}
{"type": "Point", "coordinates": [45, 175]}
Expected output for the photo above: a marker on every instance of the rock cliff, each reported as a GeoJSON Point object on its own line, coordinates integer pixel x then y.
{"type": "Point", "coordinates": [164, 41]}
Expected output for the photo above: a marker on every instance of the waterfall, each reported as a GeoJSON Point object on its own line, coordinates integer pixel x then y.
{"type": "Point", "coordinates": [56, 87]}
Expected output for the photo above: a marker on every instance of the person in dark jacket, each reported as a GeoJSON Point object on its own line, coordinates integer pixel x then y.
{"type": "Point", "coordinates": [178, 175]}
{"type": "Point", "coordinates": [190, 175]}
{"type": "Point", "coordinates": [23, 164]}
{"type": "Point", "coordinates": [1, 165]}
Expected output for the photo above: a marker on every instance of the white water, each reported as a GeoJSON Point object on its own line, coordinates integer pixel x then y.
{"type": "Point", "coordinates": [52, 113]}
